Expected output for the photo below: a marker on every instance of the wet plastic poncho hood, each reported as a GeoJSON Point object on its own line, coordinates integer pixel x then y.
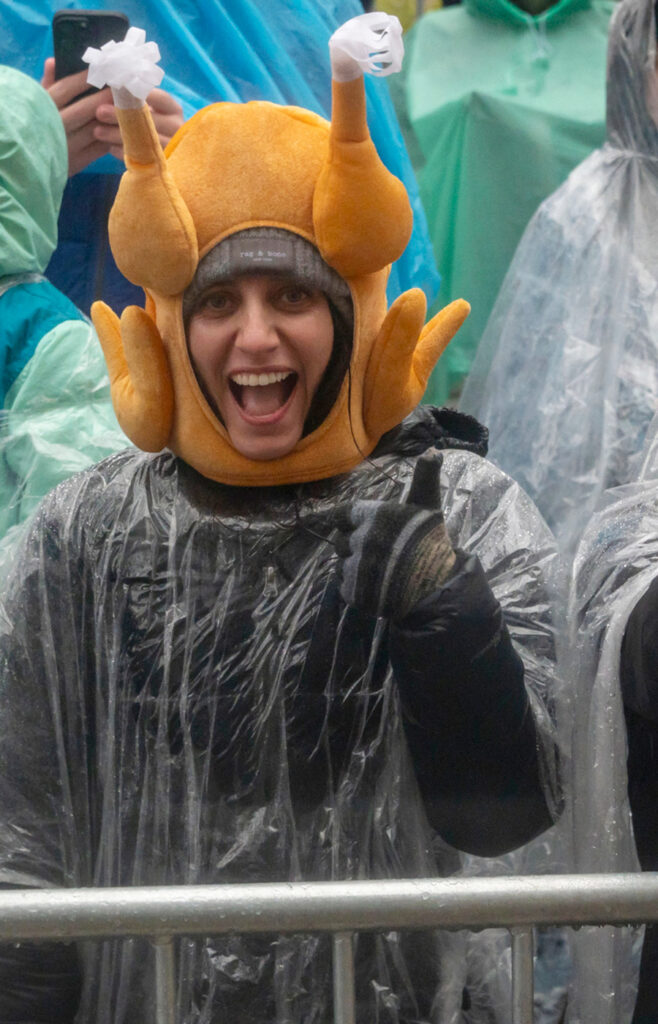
{"type": "Point", "coordinates": [566, 377]}
{"type": "Point", "coordinates": [632, 88]}
{"type": "Point", "coordinates": [34, 162]}
{"type": "Point", "coordinates": [505, 10]}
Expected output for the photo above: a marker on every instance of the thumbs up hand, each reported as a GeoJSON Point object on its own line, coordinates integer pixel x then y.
{"type": "Point", "coordinates": [395, 554]}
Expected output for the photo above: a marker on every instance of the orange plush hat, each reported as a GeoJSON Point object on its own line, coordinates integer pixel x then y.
{"type": "Point", "coordinates": [233, 167]}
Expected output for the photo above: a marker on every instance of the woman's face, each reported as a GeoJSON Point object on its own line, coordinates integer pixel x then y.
{"type": "Point", "coordinates": [259, 346]}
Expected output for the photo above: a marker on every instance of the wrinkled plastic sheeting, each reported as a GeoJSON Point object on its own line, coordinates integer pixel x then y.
{"type": "Point", "coordinates": [210, 759]}
{"type": "Point", "coordinates": [566, 377]}
{"type": "Point", "coordinates": [238, 50]}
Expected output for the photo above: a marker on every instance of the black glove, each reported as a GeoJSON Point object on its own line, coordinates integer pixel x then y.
{"type": "Point", "coordinates": [639, 656]}
{"type": "Point", "coordinates": [394, 555]}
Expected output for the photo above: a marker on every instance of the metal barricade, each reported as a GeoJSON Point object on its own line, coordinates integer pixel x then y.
{"type": "Point", "coordinates": [161, 913]}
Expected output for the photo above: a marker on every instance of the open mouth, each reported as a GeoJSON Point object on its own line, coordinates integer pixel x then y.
{"type": "Point", "coordinates": [262, 394]}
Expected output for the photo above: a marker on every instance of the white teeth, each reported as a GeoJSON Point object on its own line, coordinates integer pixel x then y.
{"type": "Point", "coordinates": [253, 380]}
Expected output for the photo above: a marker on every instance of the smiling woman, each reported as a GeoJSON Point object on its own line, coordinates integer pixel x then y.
{"type": "Point", "coordinates": [259, 346]}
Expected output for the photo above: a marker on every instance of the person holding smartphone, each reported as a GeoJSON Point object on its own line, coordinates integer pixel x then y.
{"type": "Point", "coordinates": [90, 120]}
{"type": "Point", "coordinates": [92, 132]}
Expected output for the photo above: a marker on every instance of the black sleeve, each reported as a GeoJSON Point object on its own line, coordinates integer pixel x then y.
{"type": "Point", "coordinates": [41, 982]}
{"type": "Point", "coordinates": [638, 674]}
{"type": "Point", "coordinates": [639, 657]}
{"type": "Point", "coordinates": [468, 721]}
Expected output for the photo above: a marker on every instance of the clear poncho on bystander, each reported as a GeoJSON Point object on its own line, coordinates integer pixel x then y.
{"type": "Point", "coordinates": [566, 377]}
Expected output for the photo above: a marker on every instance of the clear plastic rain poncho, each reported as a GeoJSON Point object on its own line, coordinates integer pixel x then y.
{"type": "Point", "coordinates": [171, 715]}
{"type": "Point", "coordinates": [615, 564]}
{"type": "Point", "coordinates": [566, 377]}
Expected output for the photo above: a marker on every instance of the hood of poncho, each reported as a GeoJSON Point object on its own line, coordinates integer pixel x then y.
{"type": "Point", "coordinates": [632, 78]}
{"type": "Point", "coordinates": [34, 161]}
{"type": "Point", "coordinates": [505, 10]}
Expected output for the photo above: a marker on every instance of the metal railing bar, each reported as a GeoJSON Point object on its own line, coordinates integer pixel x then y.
{"type": "Point", "coordinates": [165, 982]}
{"type": "Point", "coordinates": [473, 903]}
{"type": "Point", "coordinates": [522, 976]}
{"type": "Point", "coordinates": [344, 996]}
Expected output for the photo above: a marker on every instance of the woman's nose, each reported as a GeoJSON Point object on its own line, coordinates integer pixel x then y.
{"type": "Point", "coordinates": [257, 330]}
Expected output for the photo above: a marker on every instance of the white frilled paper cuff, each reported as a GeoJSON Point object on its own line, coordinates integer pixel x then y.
{"type": "Point", "coordinates": [368, 44]}
{"type": "Point", "coordinates": [129, 67]}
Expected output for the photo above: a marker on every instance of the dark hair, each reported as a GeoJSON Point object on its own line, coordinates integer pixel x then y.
{"type": "Point", "coordinates": [333, 376]}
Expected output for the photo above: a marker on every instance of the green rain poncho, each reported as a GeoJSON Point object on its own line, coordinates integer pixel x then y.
{"type": "Point", "coordinates": [498, 106]}
{"type": "Point", "coordinates": [56, 417]}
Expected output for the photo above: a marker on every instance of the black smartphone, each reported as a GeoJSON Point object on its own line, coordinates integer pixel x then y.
{"type": "Point", "coordinates": [74, 31]}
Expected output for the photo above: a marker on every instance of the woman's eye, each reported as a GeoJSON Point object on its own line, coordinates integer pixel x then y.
{"type": "Point", "coordinates": [217, 302]}
{"type": "Point", "coordinates": [295, 296]}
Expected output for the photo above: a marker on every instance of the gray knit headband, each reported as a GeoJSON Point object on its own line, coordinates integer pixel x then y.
{"type": "Point", "coordinates": [268, 250]}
